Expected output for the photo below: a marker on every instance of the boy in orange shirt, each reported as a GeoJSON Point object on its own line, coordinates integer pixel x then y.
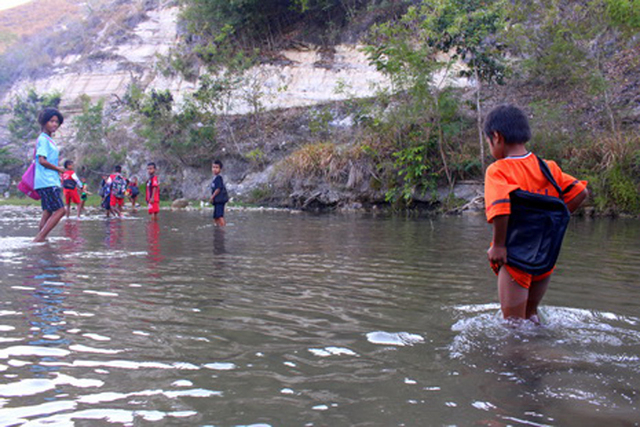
{"type": "Point", "coordinates": [507, 130]}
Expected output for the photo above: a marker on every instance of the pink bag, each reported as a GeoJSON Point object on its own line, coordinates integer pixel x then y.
{"type": "Point", "coordinates": [28, 181]}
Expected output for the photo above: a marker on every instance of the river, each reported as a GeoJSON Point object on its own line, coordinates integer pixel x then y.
{"type": "Point", "coordinates": [294, 319]}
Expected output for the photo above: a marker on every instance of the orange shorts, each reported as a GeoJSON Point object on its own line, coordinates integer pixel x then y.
{"type": "Point", "coordinates": [115, 201]}
{"type": "Point", "coordinates": [522, 278]}
{"type": "Point", "coordinates": [154, 207]}
{"type": "Point", "coordinates": [71, 196]}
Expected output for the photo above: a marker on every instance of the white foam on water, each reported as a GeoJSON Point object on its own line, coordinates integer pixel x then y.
{"type": "Point", "coordinates": [332, 351]}
{"type": "Point", "coordinates": [101, 293]}
{"type": "Point", "coordinates": [6, 328]}
{"type": "Point", "coordinates": [220, 366]}
{"type": "Point", "coordinates": [115, 254]}
{"type": "Point", "coordinates": [86, 349]}
{"type": "Point", "coordinates": [115, 416]}
{"type": "Point", "coordinates": [182, 383]}
{"type": "Point", "coordinates": [14, 416]}
{"type": "Point", "coordinates": [9, 313]}
{"type": "Point", "coordinates": [399, 339]}
{"type": "Point", "coordinates": [33, 386]}
{"type": "Point", "coordinates": [32, 350]}
{"type": "Point", "coordinates": [96, 337]}
{"type": "Point", "coordinates": [171, 394]}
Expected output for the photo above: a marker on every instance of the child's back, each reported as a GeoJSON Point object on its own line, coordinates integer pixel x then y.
{"type": "Point", "coordinates": [507, 131]}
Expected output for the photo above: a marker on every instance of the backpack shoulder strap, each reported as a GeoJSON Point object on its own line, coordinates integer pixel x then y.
{"type": "Point", "coordinates": [547, 173]}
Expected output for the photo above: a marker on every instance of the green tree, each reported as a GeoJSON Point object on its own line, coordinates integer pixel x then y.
{"type": "Point", "coordinates": [91, 136]}
{"type": "Point", "coordinates": [23, 125]}
{"type": "Point", "coordinates": [185, 132]}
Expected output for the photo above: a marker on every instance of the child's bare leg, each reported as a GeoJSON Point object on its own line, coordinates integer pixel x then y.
{"type": "Point", "coordinates": [43, 219]}
{"type": "Point", "coordinates": [513, 297]}
{"type": "Point", "coordinates": [80, 207]}
{"type": "Point", "coordinates": [536, 292]}
{"type": "Point", "coordinates": [51, 222]}
{"type": "Point", "coordinates": [68, 210]}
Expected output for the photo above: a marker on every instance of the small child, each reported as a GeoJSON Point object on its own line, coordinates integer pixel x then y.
{"type": "Point", "coordinates": [153, 192]}
{"type": "Point", "coordinates": [117, 186]}
{"type": "Point", "coordinates": [507, 130]}
{"type": "Point", "coordinates": [219, 195]}
{"type": "Point", "coordinates": [105, 193]}
{"type": "Point", "coordinates": [70, 186]}
{"type": "Point", "coordinates": [133, 191]}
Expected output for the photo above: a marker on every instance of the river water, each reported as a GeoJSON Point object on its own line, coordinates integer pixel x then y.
{"type": "Point", "coordinates": [292, 319]}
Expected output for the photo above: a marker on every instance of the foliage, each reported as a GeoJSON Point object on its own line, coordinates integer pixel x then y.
{"type": "Point", "coordinates": [184, 132]}
{"type": "Point", "coordinates": [7, 160]}
{"type": "Point", "coordinates": [427, 120]}
{"type": "Point", "coordinates": [92, 137]}
{"type": "Point", "coordinates": [256, 23]}
{"type": "Point", "coordinates": [23, 124]}
{"type": "Point", "coordinates": [624, 13]}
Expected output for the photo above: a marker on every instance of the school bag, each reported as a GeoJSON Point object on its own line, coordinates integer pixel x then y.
{"type": "Point", "coordinates": [68, 183]}
{"type": "Point", "coordinates": [118, 187]}
{"type": "Point", "coordinates": [536, 228]}
{"type": "Point", "coordinates": [223, 196]}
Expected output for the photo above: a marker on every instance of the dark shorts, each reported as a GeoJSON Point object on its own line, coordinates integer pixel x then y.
{"type": "Point", "coordinates": [106, 203]}
{"type": "Point", "coordinates": [50, 198]}
{"type": "Point", "coordinates": [218, 210]}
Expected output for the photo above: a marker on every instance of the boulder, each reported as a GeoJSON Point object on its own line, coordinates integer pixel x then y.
{"type": "Point", "coordinates": [179, 204]}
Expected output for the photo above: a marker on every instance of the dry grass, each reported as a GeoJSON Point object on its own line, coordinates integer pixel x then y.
{"type": "Point", "coordinates": [35, 17]}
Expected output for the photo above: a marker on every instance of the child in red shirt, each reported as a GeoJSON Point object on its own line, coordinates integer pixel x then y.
{"type": "Point", "coordinates": [70, 185]}
{"type": "Point", "coordinates": [507, 130]}
{"type": "Point", "coordinates": [153, 191]}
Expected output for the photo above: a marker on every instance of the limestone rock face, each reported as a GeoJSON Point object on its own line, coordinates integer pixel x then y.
{"type": "Point", "coordinates": [306, 76]}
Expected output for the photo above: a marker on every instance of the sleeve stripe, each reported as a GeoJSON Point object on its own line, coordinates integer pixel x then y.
{"type": "Point", "coordinates": [497, 202]}
{"type": "Point", "coordinates": [569, 187]}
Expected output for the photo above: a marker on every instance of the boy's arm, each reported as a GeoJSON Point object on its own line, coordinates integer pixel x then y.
{"type": "Point", "coordinates": [214, 194]}
{"type": "Point", "coordinates": [575, 203]}
{"type": "Point", "coordinates": [497, 253]}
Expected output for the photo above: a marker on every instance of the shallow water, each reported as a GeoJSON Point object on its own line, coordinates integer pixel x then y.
{"type": "Point", "coordinates": [285, 319]}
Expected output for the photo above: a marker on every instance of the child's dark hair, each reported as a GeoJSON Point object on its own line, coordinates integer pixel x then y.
{"type": "Point", "coordinates": [67, 163]}
{"type": "Point", "coordinates": [510, 122]}
{"type": "Point", "coordinates": [118, 168]}
{"type": "Point", "coordinates": [151, 164]}
{"type": "Point", "coordinates": [218, 162]}
{"type": "Point", "coordinates": [46, 114]}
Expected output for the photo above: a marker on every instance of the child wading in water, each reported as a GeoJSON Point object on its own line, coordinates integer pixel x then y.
{"type": "Point", "coordinates": [219, 196]}
{"type": "Point", "coordinates": [71, 185]}
{"type": "Point", "coordinates": [507, 130]}
{"type": "Point", "coordinates": [133, 191]}
{"type": "Point", "coordinates": [153, 192]}
{"type": "Point", "coordinates": [47, 174]}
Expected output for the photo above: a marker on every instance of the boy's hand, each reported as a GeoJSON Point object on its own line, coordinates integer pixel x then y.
{"type": "Point", "coordinates": [497, 255]}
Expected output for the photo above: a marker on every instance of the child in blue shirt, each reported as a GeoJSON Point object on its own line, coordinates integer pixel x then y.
{"type": "Point", "coordinates": [47, 175]}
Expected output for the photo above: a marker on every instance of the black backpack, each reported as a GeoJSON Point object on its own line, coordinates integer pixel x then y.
{"type": "Point", "coordinates": [69, 184]}
{"type": "Point", "coordinates": [223, 196]}
{"type": "Point", "coordinates": [537, 225]}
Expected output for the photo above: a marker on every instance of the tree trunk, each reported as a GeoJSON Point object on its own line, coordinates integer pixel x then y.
{"type": "Point", "coordinates": [479, 119]}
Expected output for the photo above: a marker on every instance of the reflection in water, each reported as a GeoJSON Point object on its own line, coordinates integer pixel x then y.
{"type": "Point", "coordinates": [114, 234]}
{"type": "Point", "coordinates": [45, 305]}
{"type": "Point", "coordinates": [219, 247]}
{"type": "Point", "coordinates": [340, 320]}
{"type": "Point", "coordinates": [154, 253]}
